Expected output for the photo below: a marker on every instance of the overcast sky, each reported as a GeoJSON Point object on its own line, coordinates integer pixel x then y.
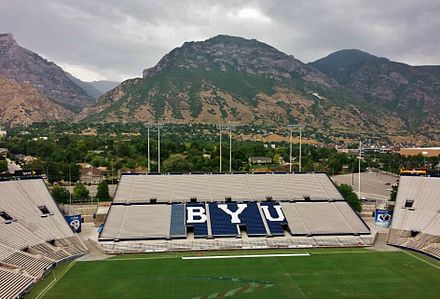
{"type": "Point", "coordinates": [116, 40]}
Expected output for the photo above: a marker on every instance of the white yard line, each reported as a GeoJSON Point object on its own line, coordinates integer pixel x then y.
{"type": "Point", "coordinates": [140, 258]}
{"type": "Point", "coordinates": [53, 282]}
{"type": "Point", "coordinates": [242, 256]}
{"type": "Point", "coordinates": [422, 260]}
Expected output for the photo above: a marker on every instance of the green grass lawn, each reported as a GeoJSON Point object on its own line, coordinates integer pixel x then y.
{"type": "Point", "coordinates": [339, 273]}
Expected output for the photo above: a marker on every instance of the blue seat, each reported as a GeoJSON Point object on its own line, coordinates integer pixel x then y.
{"type": "Point", "coordinates": [275, 227]}
{"type": "Point", "coordinates": [200, 229]}
{"type": "Point", "coordinates": [252, 219]}
{"type": "Point", "coordinates": [221, 222]}
{"type": "Point", "coordinates": [178, 221]}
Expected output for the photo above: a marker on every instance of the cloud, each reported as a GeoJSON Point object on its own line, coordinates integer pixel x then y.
{"type": "Point", "coordinates": [95, 39]}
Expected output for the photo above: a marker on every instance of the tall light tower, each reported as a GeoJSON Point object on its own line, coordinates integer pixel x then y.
{"type": "Point", "coordinates": [359, 170]}
{"type": "Point", "coordinates": [148, 146]}
{"type": "Point", "coordinates": [70, 191]}
{"type": "Point", "coordinates": [300, 127]}
{"type": "Point", "coordinates": [290, 147]}
{"type": "Point", "coordinates": [230, 128]}
{"type": "Point", "coordinates": [230, 148]}
{"type": "Point", "coordinates": [300, 147]}
{"type": "Point", "coordinates": [158, 146]}
{"type": "Point", "coordinates": [220, 127]}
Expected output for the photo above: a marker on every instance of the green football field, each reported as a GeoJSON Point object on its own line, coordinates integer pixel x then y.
{"type": "Point", "coordinates": [338, 273]}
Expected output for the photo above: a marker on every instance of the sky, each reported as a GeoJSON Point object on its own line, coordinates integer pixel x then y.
{"type": "Point", "coordinates": [116, 40]}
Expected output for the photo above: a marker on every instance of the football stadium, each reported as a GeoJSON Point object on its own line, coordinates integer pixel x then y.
{"type": "Point", "coordinates": [268, 235]}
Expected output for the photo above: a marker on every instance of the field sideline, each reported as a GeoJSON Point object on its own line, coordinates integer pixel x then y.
{"type": "Point", "coordinates": [325, 273]}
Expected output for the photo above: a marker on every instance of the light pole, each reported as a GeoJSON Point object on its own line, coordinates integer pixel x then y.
{"type": "Point", "coordinates": [148, 146]}
{"type": "Point", "coordinates": [290, 147]}
{"type": "Point", "coordinates": [229, 127]}
{"type": "Point", "coordinates": [230, 148]}
{"type": "Point", "coordinates": [70, 192]}
{"type": "Point", "coordinates": [220, 127]}
{"type": "Point", "coordinates": [300, 148]}
{"type": "Point", "coordinates": [359, 170]}
{"type": "Point", "coordinates": [158, 146]}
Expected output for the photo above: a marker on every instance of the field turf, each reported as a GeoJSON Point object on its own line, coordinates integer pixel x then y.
{"type": "Point", "coordinates": [338, 273]}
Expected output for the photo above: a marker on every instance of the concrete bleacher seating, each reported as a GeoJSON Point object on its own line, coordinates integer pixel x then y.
{"type": "Point", "coordinates": [138, 222]}
{"type": "Point", "coordinates": [233, 243]}
{"type": "Point", "coordinates": [322, 218]}
{"type": "Point", "coordinates": [217, 187]}
{"type": "Point", "coordinates": [13, 283]}
{"type": "Point", "coordinates": [154, 213]}
{"type": "Point", "coordinates": [34, 236]}
{"type": "Point", "coordinates": [416, 217]}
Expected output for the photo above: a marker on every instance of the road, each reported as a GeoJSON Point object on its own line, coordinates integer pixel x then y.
{"type": "Point", "coordinates": [373, 184]}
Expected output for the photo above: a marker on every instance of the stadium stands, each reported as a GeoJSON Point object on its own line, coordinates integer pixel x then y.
{"type": "Point", "coordinates": [34, 236]}
{"type": "Point", "coordinates": [416, 218]}
{"type": "Point", "coordinates": [196, 212]}
{"type": "Point", "coordinates": [322, 218]}
{"type": "Point", "coordinates": [218, 187]}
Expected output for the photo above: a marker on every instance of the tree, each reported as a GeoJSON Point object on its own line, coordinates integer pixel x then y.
{"type": "Point", "coordinates": [351, 197]}
{"type": "Point", "coordinates": [393, 194]}
{"type": "Point", "coordinates": [3, 165]}
{"type": "Point", "coordinates": [177, 163]}
{"type": "Point", "coordinates": [80, 192]}
{"type": "Point", "coordinates": [60, 194]}
{"type": "Point", "coordinates": [103, 193]}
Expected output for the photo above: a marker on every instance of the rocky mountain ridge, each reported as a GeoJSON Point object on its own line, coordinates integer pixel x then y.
{"type": "Point", "coordinates": [23, 66]}
{"type": "Point", "coordinates": [232, 79]}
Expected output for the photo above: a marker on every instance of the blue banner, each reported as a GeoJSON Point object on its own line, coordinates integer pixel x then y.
{"type": "Point", "coordinates": [383, 218]}
{"type": "Point", "coordinates": [74, 222]}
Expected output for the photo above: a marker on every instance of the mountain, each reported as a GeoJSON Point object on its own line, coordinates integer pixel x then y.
{"type": "Point", "coordinates": [23, 104]}
{"type": "Point", "coordinates": [95, 89]}
{"type": "Point", "coordinates": [103, 86]}
{"type": "Point", "coordinates": [23, 66]}
{"type": "Point", "coordinates": [227, 78]}
{"type": "Point", "coordinates": [411, 93]}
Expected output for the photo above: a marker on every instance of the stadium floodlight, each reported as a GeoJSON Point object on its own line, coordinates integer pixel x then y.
{"type": "Point", "coordinates": [148, 126]}
{"type": "Point", "coordinates": [231, 127]}
{"type": "Point", "coordinates": [70, 191]}
{"type": "Point", "coordinates": [290, 148]}
{"type": "Point", "coordinates": [359, 170]}
{"type": "Point", "coordinates": [220, 127]}
{"type": "Point", "coordinates": [300, 127]}
{"type": "Point", "coordinates": [158, 145]}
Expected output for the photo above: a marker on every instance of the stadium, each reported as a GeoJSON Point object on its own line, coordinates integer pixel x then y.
{"type": "Point", "coordinates": [271, 235]}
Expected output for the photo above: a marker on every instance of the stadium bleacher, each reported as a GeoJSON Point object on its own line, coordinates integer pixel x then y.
{"type": "Point", "coordinates": [34, 236]}
{"type": "Point", "coordinates": [218, 187]}
{"type": "Point", "coordinates": [416, 218]}
{"type": "Point", "coordinates": [196, 212]}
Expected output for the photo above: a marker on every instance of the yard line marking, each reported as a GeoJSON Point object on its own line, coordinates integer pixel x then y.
{"type": "Point", "coordinates": [242, 256]}
{"type": "Point", "coordinates": [53, 282]}
{"type": "Point", "coordinates": [140, 258]}
{"type": "Point", "coordinates": [420, 259]}
{"type": "Point", "coordinates": [342, 252]}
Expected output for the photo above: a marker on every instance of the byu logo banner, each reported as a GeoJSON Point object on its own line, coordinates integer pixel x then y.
{"type": "Point", "coordinates": [383, 218]}
{"type": "Point", "coordinates": [74, 222]}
